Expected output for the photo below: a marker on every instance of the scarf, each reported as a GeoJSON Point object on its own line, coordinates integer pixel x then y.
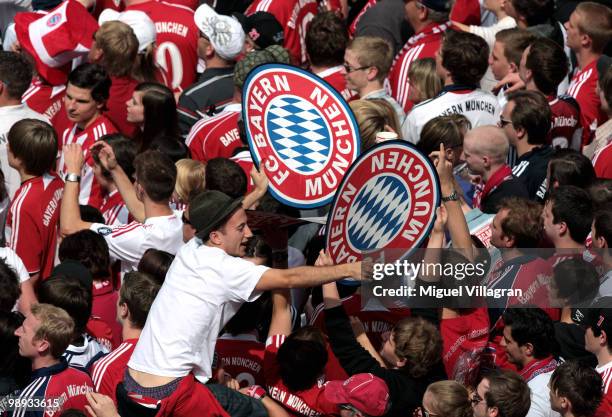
{"type": "Point", "coordinates": [482, 191]}
{"type": "Point", "coordinates": [538, 367]}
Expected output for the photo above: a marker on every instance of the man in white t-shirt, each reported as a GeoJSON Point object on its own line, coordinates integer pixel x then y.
{"type": "Point", "coordinates": [155, 176]}
{"type": "Point", "coordinates": [461, 62]}
{"type": "Point", "coordinates": [211, 280]}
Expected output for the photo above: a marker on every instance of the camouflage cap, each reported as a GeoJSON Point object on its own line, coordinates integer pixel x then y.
{"type": "Point", "coordinates": [273, 53]}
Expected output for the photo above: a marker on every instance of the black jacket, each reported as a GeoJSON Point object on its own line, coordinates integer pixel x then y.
{"type": "Point", "coordinates": [510, 188]}
{"type": "Point", "coordinates": [531, 169]}
{"type": "Point", "coordinates": [405, 392]}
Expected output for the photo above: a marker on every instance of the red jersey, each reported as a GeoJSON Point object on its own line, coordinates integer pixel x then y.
{"type": "Point", "coordinates": [107, 372]}
{"type": "Point", "coordinates": [286, 12]}
{"type": "Point", "coordinates": [463, 339]}
{"type": "Point", "coordinates": [177, 39]}
{"type": "Point", "coordinates": [44, 98]}
{"type": "Point", "coordinates": [376, 320]}
{"type": "Point", "coordinates": [424, 44]}
{"type": "Point", "coordinates": [566, 130]}
{"type": "Point", "coordinates": [307, 12]}
{"type": "Point", "coordinates": [101, 331]}
{"type": "Point", "coordinates": [245, 160]}
{"type": "Point", "coordinates": [217, 136]}
{"type": "Point", "coordinates": [32, 221]}
{"type": "Point", "coordinates": [602, 161]}
{"type": "Point", "coordinates": [114, 210]}
{"type": "Point", "coordinates": [62, 387]}
{"type": "Point", "coordinates": [242, 357]}
{"type": "Point", "coordinates": [466, 12]}
{"type": "Point", "coordinates": [120, 92]}
{"type": "Point", "coordinates": [335, 77]}
{"type": "Point", "coordinates": [309, 403]}
{"type": "Point", "coordinates": [192, 4]}
{"type": "Point", "coordinates": [605, 408]}
{"type": "Point", "coordinates": [104, 309]}
{"type": "Point", "coordinates": [90, 191]}
{"type": "Point", "coordinates": [583, 88]}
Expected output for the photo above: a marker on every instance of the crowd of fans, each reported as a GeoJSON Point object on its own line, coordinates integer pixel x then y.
{"type": "Point", "coordinates": [134, 282]}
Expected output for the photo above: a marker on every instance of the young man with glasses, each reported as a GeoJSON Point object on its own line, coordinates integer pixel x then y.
{"type": "Point", "coordinates": [526, 121]}
{"type": "Point", "coordinates": [367, 60]}
{"type": "Point", "coordinates": [501, 393]}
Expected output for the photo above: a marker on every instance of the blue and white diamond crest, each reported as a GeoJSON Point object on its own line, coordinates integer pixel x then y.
{"type": "Point", "coordinates": [378, 212]}
{"type": "Point", "coordinates": [299, 134]}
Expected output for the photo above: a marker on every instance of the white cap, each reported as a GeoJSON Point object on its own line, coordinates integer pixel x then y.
{"type": "Point", "coordinates": [141, 24]}
{"type": "Point", "coordinates": [224, 32]}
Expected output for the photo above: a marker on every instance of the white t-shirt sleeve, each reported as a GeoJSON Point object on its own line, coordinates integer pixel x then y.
{"type": "Point", "coordinates": [124, 242]}
{"type": "Point", "coordinates": [15, 262]}
{"type": "Point", "coordinates": [242, 277]}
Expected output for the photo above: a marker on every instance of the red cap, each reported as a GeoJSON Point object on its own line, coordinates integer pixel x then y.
{"type": "Point", "coordinates": [366, 392]}
{"type": "Point", "coordinates": [56, 38]}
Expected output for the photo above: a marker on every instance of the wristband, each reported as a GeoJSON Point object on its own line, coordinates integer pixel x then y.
{"type": "Point", "coordinates": [256, 391]}
{"type": "Point", "coordinates": [451, 197]}
{"type": "Point", "coordinates": [72, 177]}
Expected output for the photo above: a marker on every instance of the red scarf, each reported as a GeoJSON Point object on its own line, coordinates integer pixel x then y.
{"type": "Point", "coordinates": [501, 175]}
{"type": "Point", "coordinates": [537, 367]}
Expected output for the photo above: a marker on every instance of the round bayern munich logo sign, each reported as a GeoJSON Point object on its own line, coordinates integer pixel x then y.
{"type": "Point", "coordinates": [304, 131]}
{"type": "Point", "coordinates": [387, 200]}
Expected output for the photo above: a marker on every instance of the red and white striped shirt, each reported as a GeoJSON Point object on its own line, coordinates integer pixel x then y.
{"type": "Point", "coordinates": [114, 210]}
{"type": "Point", "coordinates": [31, 224]}
{"type": "Point", "coordinates": [583, 88]}
{"type": "Point", "coordinates": [108, 371]}
{"type": "Point", "coordinates": [217, 136]}
{"type": "Point", "coordinates": [44, 98]}
{"type": "Point", "coordinates": [424, 44]}
{"type": "Point", "coordinates": [605, 408]}
{"type": "Point", "coordinates": [90, 192]}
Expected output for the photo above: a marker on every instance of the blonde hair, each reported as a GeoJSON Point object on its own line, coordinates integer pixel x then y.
{"type": "Point", "coordinates": [450, 399]}
{"type": "Point", "coordinates": [373, 51]}
{"type": "Point", "coordinates": [372, 116]}
{"type": "Point", "coordinates": [422, 74]}
{"type": "Point", "coordinates": [119, 45]}
{"type": "Point", "coordinates": [56, 327]}
{"type": "Point", "coordinates": [596, 22]}
{"type": "Point", "coordinates": [189, 178]}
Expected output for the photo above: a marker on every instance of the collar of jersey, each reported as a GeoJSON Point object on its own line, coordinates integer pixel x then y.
{"type": "Point", "coordinates": [459, 88]}
{"type": "Point", "coordinates": [50, 370]}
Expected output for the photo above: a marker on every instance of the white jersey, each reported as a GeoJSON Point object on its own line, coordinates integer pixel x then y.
{"type": "Point", "coordinates": [203, 289]}
{"type": "Point", "coordinates": [129, 242]}
{"type": "Point", "coordinates": [479, 107]}
{"type": "Point", "coordinates": [82, 357]}
{"type": "Point", "coordinates": [9, 115]}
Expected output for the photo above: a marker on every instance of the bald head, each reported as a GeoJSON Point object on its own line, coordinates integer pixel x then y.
{"type": "Point", "coordinates": [489, 141]}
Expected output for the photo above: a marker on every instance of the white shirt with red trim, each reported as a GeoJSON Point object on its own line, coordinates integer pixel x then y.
{"type": "Point", "coordinates": [480, 108]}
{"type": "Point", "coordinates": [335, 77]}
{"type": "Point", "coordinates": [90, 192]}
{"type": "Point", "coordinates": [32, 222]}
{"type": "Point", "coordinates": [583, 88]}
{"type": "Point", "coordinates": [203, 290]}
{"type": "Point", "coordinates": [129, 242]}
{"type": "Point", "coordinates": [114, 210]}
{"type": "Point", "coordinates": [217, 136]}
{"type": "Point", "coordinates": [177, 39]}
